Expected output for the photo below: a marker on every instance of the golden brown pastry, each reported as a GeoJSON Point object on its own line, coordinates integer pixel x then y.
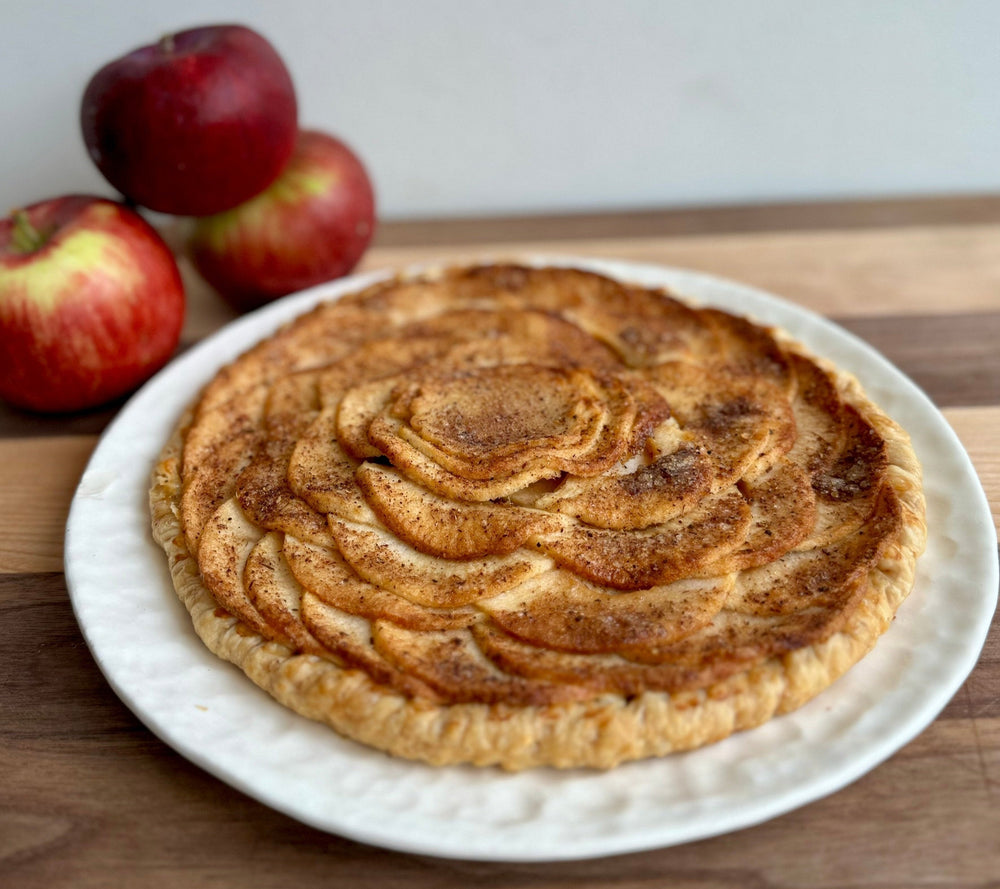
{"type": "Point", "coordinates": [534, 516]}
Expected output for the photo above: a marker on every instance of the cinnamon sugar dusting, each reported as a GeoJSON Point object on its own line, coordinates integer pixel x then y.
{"type": "Point", "coordinates": [532, 487]}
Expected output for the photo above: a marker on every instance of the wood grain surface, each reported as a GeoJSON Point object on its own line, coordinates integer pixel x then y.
{"type": "Point", "coordinates": [90, 798]}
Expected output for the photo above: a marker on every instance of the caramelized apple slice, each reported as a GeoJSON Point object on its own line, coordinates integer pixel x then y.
{"type": "Point", "coordinates": [445, 528]}
{"type": "Point", "coordinates": [378, 557]}
{"type": "Point", "coordinates": [636, 560]}
{"type": "Point", "coordinates": [559, 610]}
{"type": "Point", "coordinates": [323, 571]}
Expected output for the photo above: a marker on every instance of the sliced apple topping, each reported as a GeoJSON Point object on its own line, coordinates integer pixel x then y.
{"type": "Point", "coordinates": [536, 486]}
{"type": "Point", "coordinates": [484, 433]}
{"type": "Point", "coordinates": [275, 593]}
{"type": "Point", "coordinates": [561, 610]}
{"type": "Point", "coordinates": [382, 559]}
{"type": "Point", "coordinates": [455, 667]}
{"type": "Point", "coordinates": [449, 529]}
{"type": "Point", "coordinates": [322, 474]}
{"type": "Point", "coordinates": [661, 554]}
{"type": "Point", "coordinates": [322, 571]}
{"type": "Point", "coordinates": [226, 543]}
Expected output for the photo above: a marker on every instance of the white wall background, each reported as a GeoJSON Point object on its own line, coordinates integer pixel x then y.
{"type": "Point", "coordinates": [500, 106]}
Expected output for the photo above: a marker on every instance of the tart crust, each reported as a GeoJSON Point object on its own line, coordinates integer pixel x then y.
{"type": "Point", "coordinates": [602, 715]}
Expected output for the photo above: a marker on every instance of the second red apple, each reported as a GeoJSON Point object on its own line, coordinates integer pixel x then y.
{"type": "Point", "coordinates": [311, 225]}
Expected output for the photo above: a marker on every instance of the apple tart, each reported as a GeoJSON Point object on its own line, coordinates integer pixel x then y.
{"type": "Point", "coordinates": [536, 516]}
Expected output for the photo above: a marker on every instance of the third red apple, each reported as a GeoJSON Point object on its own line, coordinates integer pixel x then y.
{"type": "Point", "coordinates": [311, 225]}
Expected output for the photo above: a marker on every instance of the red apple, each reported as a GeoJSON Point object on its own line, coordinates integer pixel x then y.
{"type": "Point", "coordinates": [312, 225]}
{"type": "Point", "coordinates": [91, 303]}
{"type": "Point", "coordinates": [194, 124]}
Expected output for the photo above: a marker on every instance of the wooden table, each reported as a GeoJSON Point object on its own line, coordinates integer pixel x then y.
{"type": "Point", "coordinates": [89, 797]}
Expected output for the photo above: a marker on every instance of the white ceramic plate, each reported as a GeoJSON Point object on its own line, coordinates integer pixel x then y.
{"type": "Point", "coordinates": [210, 712]}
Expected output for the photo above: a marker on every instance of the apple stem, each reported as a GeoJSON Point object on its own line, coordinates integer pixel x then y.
{"type": "Point", "coordinates": [26, 238]}
{"type": "Point", "coordinates": [167, 43]}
